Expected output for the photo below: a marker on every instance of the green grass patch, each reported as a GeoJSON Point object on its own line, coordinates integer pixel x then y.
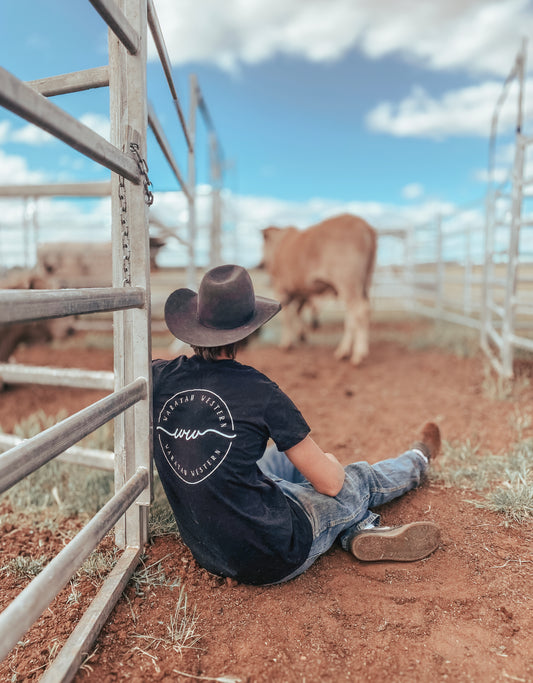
{"type": "Point", "coordinates": [151, 575]}
{"type": "Point", "coordinates": [181, 630]}
{"type": "Point", "coordinates": [504, 481]}
{"type": "Point", "coordinates": [24, 567]}
{"type": "Point", "coordinates": [162, 521]}
{"type": "Point", "coordinates": [67, 490]}
{"type": "Point", "coordinates": [61, 489]}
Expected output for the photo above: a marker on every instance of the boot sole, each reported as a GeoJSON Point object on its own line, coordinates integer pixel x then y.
{"type": "Point", "coordinates": [406, 543]}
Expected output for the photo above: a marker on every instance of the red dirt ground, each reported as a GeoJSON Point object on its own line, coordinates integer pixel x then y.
{"type": "Point", "coordinates": [463, 614]}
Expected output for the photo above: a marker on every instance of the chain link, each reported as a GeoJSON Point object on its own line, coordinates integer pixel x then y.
{"type": "Point", "coordinates": [143, 169]}
{"type": "Point", "coordinates": [125, 232]}
{"type": "Point", "coordinates": [148, 198]}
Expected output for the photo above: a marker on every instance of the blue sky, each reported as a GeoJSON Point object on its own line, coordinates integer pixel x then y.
{"type": "Point", "coordinates": [380, 108]}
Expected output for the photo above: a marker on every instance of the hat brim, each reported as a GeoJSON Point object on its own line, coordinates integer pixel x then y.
{"type": "Point", "coordinates": [181, 317]}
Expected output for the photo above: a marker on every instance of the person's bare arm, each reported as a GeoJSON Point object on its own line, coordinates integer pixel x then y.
{"type": "Point", "coordinates": [323, 470]}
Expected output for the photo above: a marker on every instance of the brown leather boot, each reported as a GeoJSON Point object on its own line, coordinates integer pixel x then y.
{"type": "Point", "coordinates": [429, 442]}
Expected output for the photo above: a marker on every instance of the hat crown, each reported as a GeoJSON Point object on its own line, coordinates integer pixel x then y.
{"type": "Point", "coordinates": [226, 298]}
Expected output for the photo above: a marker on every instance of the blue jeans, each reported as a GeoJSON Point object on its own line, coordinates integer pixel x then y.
{"type": "Point", "coordinates": [344, 516]}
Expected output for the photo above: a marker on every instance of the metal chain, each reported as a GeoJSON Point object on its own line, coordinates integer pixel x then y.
{"type": "Point", "coordinates": [126, 251]}
{"type": "Point", "coordinates": [148, 198]}
{"type": "Point", "coordinates": [143, 168]}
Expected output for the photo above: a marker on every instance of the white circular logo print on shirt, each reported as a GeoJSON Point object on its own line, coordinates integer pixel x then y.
{"type": "Point", "coordinates": [195, 431]}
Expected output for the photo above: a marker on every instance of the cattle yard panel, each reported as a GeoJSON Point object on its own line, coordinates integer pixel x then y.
{"type": "Point", "coordinates": [99, 77]}
{"type": "Point", "coordinates": [509, 274]}
{"type": "Point", "coordinates": [75, 455]}
{"type": "Point", "coordinates": [130, 402]}
{"type": "Point", "coordinates": [508, 278]}
{"type": "Point", "coordinates": [451, 290]}
{"type": "Point", "coordinates": [473, 267]}
{"type": "Point", "coordinates": [446, 271]}
{"type": "Point", "coordinates": [433, 269]}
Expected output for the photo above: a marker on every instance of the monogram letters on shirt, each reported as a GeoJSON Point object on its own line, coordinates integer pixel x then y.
{"type": "Point", "coordinates": [195, 432]}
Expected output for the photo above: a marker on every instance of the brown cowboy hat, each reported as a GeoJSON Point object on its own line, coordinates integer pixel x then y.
{"type": "Point", "coordinates": [224, 311]}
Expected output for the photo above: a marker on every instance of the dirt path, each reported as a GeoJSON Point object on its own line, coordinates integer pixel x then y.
{"type": "Point", "coordinates": [463, 614]}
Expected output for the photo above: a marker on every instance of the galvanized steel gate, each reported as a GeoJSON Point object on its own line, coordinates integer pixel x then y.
{"type": "Point", "coordinates": [474, 267]}
{"type": "Point", "coordinates": [508, 272]}
{"type": "Point", "coordinates": [129, 297]}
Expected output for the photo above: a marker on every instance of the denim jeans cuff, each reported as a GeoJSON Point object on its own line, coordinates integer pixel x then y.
{"type": "Point", "coordinates": [346, 538]}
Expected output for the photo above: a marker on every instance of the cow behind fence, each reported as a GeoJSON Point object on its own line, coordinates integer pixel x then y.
{"type": "Point", "coordinates": [336, 256]}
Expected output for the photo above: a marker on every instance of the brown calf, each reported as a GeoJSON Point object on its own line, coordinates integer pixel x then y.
{"type": "Point", "coordinates": [336, 256]}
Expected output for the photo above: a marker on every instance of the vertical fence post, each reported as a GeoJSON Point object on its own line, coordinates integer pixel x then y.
{"type": "Point", "coordinates": [215, 255]}
{"type": "Point", "coordinates": [409, 272]}
{"type": "Point", "coordinates": [488, 250]}
{"type": "Point", "coordinates": [26, 232]}
{"type": "Point", "coordinates": [514, 240]}
{"type": "Point", "coordinates": [131, 267]}
{"type": "Point", "coordinates": [467, 283]}
{"type": "Point", "coordinates": [514, 237]}
{"type": "Point", "coordinates": [191, 182]}
{"type": "Point", "coordinates": [35, 227]}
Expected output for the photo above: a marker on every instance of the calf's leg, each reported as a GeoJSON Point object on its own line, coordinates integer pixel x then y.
{"type": "Point", "coordinates": [361, 330]}
{"type": "Point", "coordinates": [344, 349]}
{"type": "Point", "coordinates": [290, 325]}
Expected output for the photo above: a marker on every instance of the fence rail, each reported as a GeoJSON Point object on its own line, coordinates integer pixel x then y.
{"type": "Point", "coordinates": [128, 297]}
{"type": "Point", "coordinates": [16, 373]}
{"type": "Point", "coordinates": [16, 306]}
{"type": "Point", "coordinates": [75, 455]}
{"type": "Point", "coordinates": [77, 81]}
{"type": "Point", "coordinates": [159, 41]}
{"type": "Point", "coordinates": [118, 23]}
{"type": "Point", "coordinates": [22, 100]}
{"type": "Point", "coordinates": [461, 289]}
{"type": "Point", "coordinates": [18, 617]}
{"type": "Point", "coordinates": [33, 453]}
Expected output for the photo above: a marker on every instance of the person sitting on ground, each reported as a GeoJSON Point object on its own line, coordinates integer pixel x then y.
{"type": "Point", "coordinates": [254, 514]}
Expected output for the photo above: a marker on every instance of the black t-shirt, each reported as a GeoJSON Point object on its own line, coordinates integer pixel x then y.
{"type": "Point", "coordinates": [212, 421]}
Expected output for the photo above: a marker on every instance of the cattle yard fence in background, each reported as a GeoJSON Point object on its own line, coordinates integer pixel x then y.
{"type": "Point", "coordinates": [473, 267]}
{"type": "Point", "coordinates": [129, 400]}
{"type": "Point", "coordinates": [23, 236]}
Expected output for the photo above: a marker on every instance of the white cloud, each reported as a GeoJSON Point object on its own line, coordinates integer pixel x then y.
{"type": "Point", "coordinates": [30, 135]}
{"type": "Point", "coordinates": [245, 216]}
{"type": "Point", "coordinates": [97, 122]}
{"type": "Point", "coordinates": [27, 134]}
{"type": "Point", "coordinates": [499, 175]}
{"type": "Point", "coordinates": [14, 171]}
{"type": "Point", "coordinates": [467, 111]}
{"type": "Point", "coordinates": [412, 191]}
{"type": "Point", "coordinates": [252, 214]}
{"type": "Point", "coordinates": [4, 131]}
{"type": "Point", "coordinates": [58, 220]}
{"type": "Point", "coordinates": [503, 165]}
{"type": "Point", "coordinates": [479, 36]}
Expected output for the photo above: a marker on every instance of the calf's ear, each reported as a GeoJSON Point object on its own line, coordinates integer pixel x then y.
{"type": "Point", "coordinates": [269, 232]}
